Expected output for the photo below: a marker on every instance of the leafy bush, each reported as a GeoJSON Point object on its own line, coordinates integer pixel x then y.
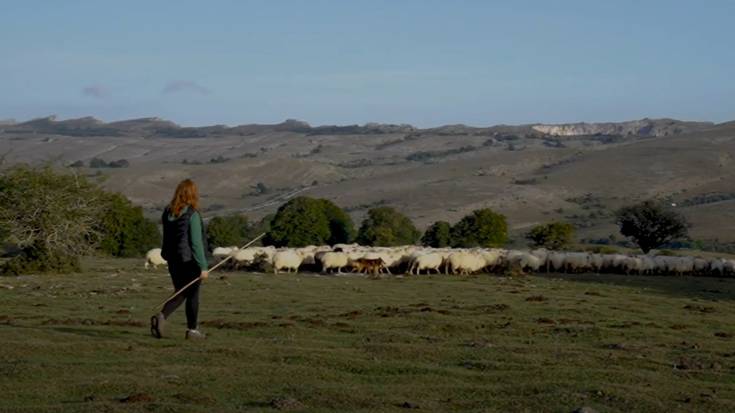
{"type": "Point", "coordinates": [219, 159]}
{"type": "Point", "coordinates": [481, 228]}
{"type": "Point", "coordinates": [428, 155]}
{"type": "Point", "coordinates": [100, 163]}
{"type": "Point", "coordinates": [307, 221]}
{"type": "Point", "coordinates": [53, 218]}
{"type": "Point", "coordinates": [437, 235]}
{"type": "Point", "coordinates": [386, 227]}
{"type": "Point", "coordinates": [231, 230]}
{"type": "Point", "coordinates": [126, 232]}
{"type": "Point", "coordinates": [36, 260]}
{"type": "Point", "coordinates": [650, 225]}
{"type": "Point", "coordinates": [555, 235]}
{"type": "Point", "coordinates": [341, 228]}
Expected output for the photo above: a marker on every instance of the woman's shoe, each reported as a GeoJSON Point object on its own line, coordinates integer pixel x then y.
{"type": "Point", "coordinates": [157, 323]}
{"type": "Point", "coordinates": [195, 334]}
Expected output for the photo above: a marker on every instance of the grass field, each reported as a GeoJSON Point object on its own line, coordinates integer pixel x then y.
{"type": "Point", "coordinates": [80, 343]}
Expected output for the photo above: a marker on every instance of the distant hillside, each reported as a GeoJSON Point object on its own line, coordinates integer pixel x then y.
{"type": "Point", "coordinates": [643, 127]}
{"type": "Point", "coordinates": [160, 128]}
{"type": "Point", "coordinates": [532, 173]}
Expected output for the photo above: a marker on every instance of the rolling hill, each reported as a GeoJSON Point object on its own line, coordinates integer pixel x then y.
{"type": "Point", "coordinates": [531, 173]}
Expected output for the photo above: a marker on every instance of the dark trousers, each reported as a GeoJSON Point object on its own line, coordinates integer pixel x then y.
{"type": "Point", "coordinates": [183, 273]}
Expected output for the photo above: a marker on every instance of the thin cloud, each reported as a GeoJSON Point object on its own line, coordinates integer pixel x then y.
{"type": "Point", "coordinates": [184, 86]}
{"type": "Point", "coordinates": [95, 91]}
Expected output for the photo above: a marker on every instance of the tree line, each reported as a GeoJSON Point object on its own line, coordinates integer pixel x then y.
{"type": "Point", "coordinates": [50, 219]}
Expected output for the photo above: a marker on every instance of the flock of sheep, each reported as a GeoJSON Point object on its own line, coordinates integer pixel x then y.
{"type": "Point", "coordinates": [416, 260]}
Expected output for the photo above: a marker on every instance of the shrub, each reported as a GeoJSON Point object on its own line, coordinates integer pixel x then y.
{"type": "Point", "coordinates": [437, 235]}
{"type": "Point", "coordinates": [481, 228]}
{"type": "Point", "coordinates": [126, 232]}
{"type": "Point", "coordinates": [97, 163]}
{"type": "Point", "coordinates": [341, 228]}
{"type": "Point", "coordinates": [555, 235]}
{"type": "Point", "coordinates": [53, 218]}
{"type": "Point", "coordinates": [650, 225]}
{"type": "Point", "coordinates": [100, 163]}
{"type": "Point", "coordinates": [120, 163]}
{"type": "Point", "coordinates": [386, 227]}
{"type": "Point", "coordinates": [231, 230]}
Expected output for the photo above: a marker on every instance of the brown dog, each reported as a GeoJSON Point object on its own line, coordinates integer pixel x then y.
{"type": "Point", "coordinates": [372, 266]}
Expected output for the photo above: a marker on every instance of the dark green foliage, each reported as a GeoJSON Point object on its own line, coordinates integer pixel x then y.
{"type": "Point", "coordinates": [307, 221]}
{"type": "Point", "coordinates": [97, 163]}
{"type": "Point", "coordinates": [650, 225]}
{"type": "Point", "coordinates": [219, 159]}
{"type": "Point", "coordinates": [262, 226]}
{"type": "Point", "coordinates": [341, 228]}
{"type": "Point", "coordinates": [554, 236]}
{"type": "Point", "coordinates": [482, 228]}
{"type": "Point", "coordinates": [429, 155]}
{"type": "Point", "coordinates": [100, 163]}
{"type": "Point", "coordinates": [260, 189]}
{"type": "Point", "coordinates": [35, 259]}
{"type": "Point", "coordinates": [126, 232]}
{"type": "Point", "coordinates": [437, 235]}
{"type": "Point", "coordinates": [120, 163]}
{"type": "Point", "coordinates": [227, 231]}
{"type": "Point", "coordinates": [386, 227]}
{"type": "Point", "coordinates": [51, 217]}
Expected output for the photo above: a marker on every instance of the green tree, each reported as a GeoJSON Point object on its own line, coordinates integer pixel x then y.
{"type": "Point", "coordinates": [226, 231]}
{"type": "Point", "coordinates": [554, 236]}
{"type": "Point", "coordinates": [481, 228]}
{"type": "Point", "coordinates": [386, 227]}
{"type": "Point", "coordinates": [53, 218]}
{"type": "Point", "coordinates": [341, 228]}
{"type": "Point", "coordinates": [125, 231]}
{"type": "Point", "coordinates": [298, 223]}
{"type": "Point", "coordinates": [308, 221]}
{"type": "Point", "coordinates": [437, 235]}
{"type": "Point", "coordinates": [650, 225]}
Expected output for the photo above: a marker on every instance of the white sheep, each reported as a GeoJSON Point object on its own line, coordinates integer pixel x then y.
{"type": "Point", "coordinates": [333, 260]}
{"type": "Point", "coordinates": [576, 261]}
{"type": "Point", "coordinates": [464, 262]}
{"type": "Point", "coordinates": [430, 261]}
{"type": "Point", "coordinates": [717, 266]}
{"type": "Point", "coordinates": [286, 260]}
{"type": "Point", "coordinates": [555, 261]}
{"type": "Point", "coordinates": [221, 252]}
{"type": "Point", "coordinates": [153, 258]}
{"type": "Point", "coordinates": [701, 266]}
{"type": "Point", "coordinates": [597, 262]}
{"type": "Point", "coordinates": [492, 257]}
{"type": "Point", "coordinates": [245, 256]}
{"type": "Point", "coordinates": [523, 260]}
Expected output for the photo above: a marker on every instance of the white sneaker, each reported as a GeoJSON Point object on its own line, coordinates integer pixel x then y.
{"type": "Point", "coordinates": [195, 335]}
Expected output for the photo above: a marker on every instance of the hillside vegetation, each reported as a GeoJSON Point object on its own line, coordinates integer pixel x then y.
{"type": "Point", "coordinates": [435, 174]}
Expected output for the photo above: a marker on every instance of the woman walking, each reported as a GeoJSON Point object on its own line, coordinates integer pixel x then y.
{"type": "Point", "coordinates": [183, 249]}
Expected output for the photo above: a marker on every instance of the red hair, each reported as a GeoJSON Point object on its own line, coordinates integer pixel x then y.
{"type": "Point", "coordinates": [186, 194]}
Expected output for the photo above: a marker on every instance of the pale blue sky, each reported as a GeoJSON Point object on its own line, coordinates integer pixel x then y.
{"type": "Point", "coordinates": [423, 62]}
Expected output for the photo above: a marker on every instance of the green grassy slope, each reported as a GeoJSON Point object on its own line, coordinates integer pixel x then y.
{"type": "Point", "coordinates": [80, 343]}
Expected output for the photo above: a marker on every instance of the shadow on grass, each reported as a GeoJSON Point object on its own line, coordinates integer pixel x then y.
{"type": "Point", "coordinates": [707, 288]}
{"type": "Point", "coordinates": [96, 333]}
